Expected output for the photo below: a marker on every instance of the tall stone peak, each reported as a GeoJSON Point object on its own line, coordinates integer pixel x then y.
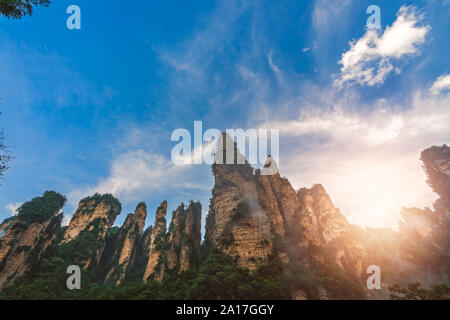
{"type": "Point", "coordinates": [124, 247]}
{"type": "Point", "coordinates": [156, 265]}
{"type": "Point", "coordinates": [236, 223]}
{"type": "Point", "coordinates": [90, 209]}
{"type": "Point", "coordinates": [93, 218]}
{"type": "Point", "coordinates": [161, 211]}
{"type": "Point", "coordinates": [254, 218]}
{"type": "Point", "coordinates": [190, 244]}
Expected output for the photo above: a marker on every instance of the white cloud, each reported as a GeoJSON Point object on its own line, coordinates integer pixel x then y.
{"type": "Point", "coordinates": [370, 59]}
{"type": "Point", "coordinates": [313, 47]}
{"type": "Point", "coordinates": [13, 208]}
{"type": "Point", "coordinates": [137, 173]}
{"type": "Point", "coordinates": [442, 84]}
{"type": "Point", "coordinates": [66, 220]}
{"type": "Point", "coordinates": [367, 159]}
{"type": "Point", "coordinates": [130, 172]}
{"type": "Point", "coordinates": [272, 65]}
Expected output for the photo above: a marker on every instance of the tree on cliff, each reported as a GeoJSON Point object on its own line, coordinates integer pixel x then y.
{"type": "Point", "coordinates": [17, 9]}
{"type": "Point", "coordinates": [5, 157]}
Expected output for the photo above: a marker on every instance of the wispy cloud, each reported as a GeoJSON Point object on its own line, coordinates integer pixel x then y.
{"type": "Point", "coordinates": [370, 59]}
{"type": "Point", "coordinates": [441, 84]}
{"type": "Point", "coordinates": [12, 208]}
{"type": "Point", "coordinates": [327, 13]}
{"type": "Point", "coordinates": [138, 173]}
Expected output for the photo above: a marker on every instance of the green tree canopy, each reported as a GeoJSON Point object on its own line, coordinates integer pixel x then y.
{"type": "Point", "coordinates": [414, 291]}
{"type": "Point", "coordinates": [16, 9]}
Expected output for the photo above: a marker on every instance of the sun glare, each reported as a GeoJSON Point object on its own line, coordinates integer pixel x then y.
{"type": "Point", "coordinates": [371, 191]}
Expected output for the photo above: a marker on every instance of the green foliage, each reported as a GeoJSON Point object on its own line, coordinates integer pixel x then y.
{"type": "Point", "coordinates": [39, 209]}
{"type": "Point", "coordinates": [339, 284]}
{"type": "Point", "coordinates": [414, 291]}
{"type": "Point", "coordinates": [106, 198]}
{"type": "Point", "coordinates": [219, 277]}
{"type": "Point", "coordinates": [16, 9]}
{"type": "Point", "coordinates": [84, 246]}
{"type": "Point", "coordinates": [8, 220]}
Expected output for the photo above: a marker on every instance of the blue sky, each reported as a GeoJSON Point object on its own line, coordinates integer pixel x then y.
{"type": "Point", "coordinates": [93, 109]}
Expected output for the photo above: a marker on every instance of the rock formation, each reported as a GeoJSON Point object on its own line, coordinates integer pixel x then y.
{"type": "Point", "coordinates": [254, 217]}
{"type": "Point", "coordinates": [179, 248]}
{"type": "Point", "coordinates": [436, 162]}
{"type": "Point", "coordinates": [237, 223]}
{"type": "Point", "coordinates": [156, 265]}
{"type": "Point", "coordinates": [125, 245]}
{"type": "Point", "coordinates": [6, 224]}
{"type": "Point", "coordinates": [28, 236]}
{"type": "Point", "coordinates": [86, 233]}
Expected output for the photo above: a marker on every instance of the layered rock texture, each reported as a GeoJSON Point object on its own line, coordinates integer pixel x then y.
{"type": "Point", "coordinates": [124, 246]}
{"type": "Point", "coordinates": [254, 217]}
{"type": "Point", "coordinates": [6, 224]}
{"type": "Point", "coordinates": [156, 265]}
{"type": "Point", "coordinates": [184, 237]}
{"type": "Point", "coordinates": [178, 248]}
{"type": "Point", "coordinates": [28, 235]}
{"type": "Point", "coordinates": [87, 230]}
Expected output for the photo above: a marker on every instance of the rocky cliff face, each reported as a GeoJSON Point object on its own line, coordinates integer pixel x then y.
{"type": "Point", "coordinates": [436, 162]}
{"type": "Point", "coordinates": [28, 236]}
{"type": "Point", "coordinates": [425, 233]}
{"type": "Point", "coordinates": [142, 254]}
{"type": "Point", "coordinates": [6, 224]}
{"type": "Point", "coordinates": [237, 223]}
{"type": "Point", "coordinates": [156, 264]}
{"type": "Point", "coordinates": [86, 233]}
{"type": "Point", "coordinates": [188, 257]}
{"type": "Point", "coordinates": [254, 218]}
{"type": "Point", "coordinates": [125, 245]}
{"type": "Point", "coordinates": [175, 235]}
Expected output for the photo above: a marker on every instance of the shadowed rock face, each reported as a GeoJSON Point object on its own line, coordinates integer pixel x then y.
{"type": "Point", "coordinates": [19, 251]}
{"type": "Point", "coordinates": [237, 223]}
{"type": "Point", "coordinates": [156, 265]}
{"type": "Point", "coordinates": [436, 162]}
{"type": "Point", "coordinates": [179, 248]}
{"type": "Point", "coordinates": [184, 237]}
{"type": "Point", "coordinates": [6, 224]}
{"type": "Point", "coordinates": [175, 235]}
{"type": "Point", "coordinates": [125, 245]}
{"type": "Point", "coordinates": [191, 239]}
{"type": "Point", "coordinates": [91, 222]}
